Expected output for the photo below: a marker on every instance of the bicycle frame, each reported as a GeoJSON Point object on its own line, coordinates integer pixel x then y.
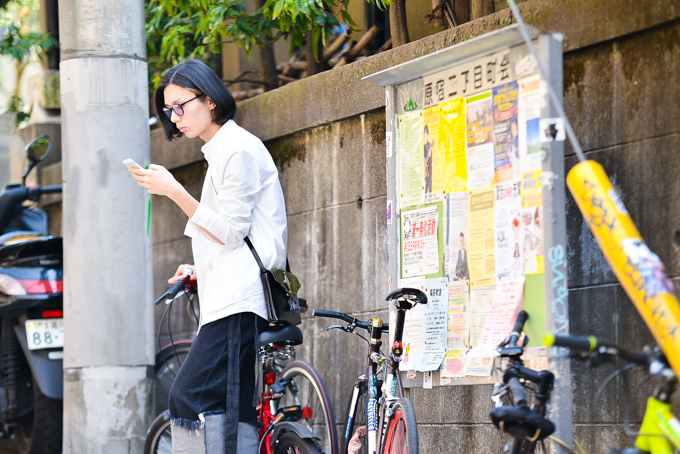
{"type": "Point", "coordinates": [373, 387]}
{"type": "Point", "coordinates": [660, 430]}
{"type": "Point", "coordinates": [380, 392]}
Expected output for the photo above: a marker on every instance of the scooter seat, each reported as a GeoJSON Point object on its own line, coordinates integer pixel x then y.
{"type": "Point", "coordinates": [12, 235]}
{"type": "Point", "coordinates": [281, 335]}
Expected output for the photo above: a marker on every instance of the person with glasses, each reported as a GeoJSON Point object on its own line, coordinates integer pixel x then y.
{"type": "Point", "coordinates": [214, 392]}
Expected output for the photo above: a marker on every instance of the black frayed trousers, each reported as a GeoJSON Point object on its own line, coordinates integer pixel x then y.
{"type": "Point", "coordinates": [202, 384]}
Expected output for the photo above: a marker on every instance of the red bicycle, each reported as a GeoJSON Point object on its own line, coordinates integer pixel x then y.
{"type": "Point", "coordinates": [296, 414]}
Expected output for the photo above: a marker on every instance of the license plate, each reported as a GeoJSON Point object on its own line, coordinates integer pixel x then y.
{"type": "Point", "coordinates": [45, 333]}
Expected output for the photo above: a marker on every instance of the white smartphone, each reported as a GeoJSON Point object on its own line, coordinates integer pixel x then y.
{"type": "Point", "coordinates": [130, 163]}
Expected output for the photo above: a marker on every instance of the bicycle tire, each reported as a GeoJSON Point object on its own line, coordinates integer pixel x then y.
{"type": "Point", "coordinates": [291, 443]}
{"type": "Point", "coordinates": [168, 362]}
{"type": "Point", "coordinates": [310, 391]}
{"type": "Point", "coordinates": [359, 418]}
{"type": "Point", "coordinates": [159, 437]}
{"type": "Point", "coordinates": [401, 436]}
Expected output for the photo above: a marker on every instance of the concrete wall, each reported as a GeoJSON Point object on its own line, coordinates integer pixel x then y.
{"type": "Point", "coordinates": [326, 133]}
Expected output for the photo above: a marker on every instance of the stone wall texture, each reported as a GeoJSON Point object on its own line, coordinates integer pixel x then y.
{"type": "Point", "coordinates": [326, 134]}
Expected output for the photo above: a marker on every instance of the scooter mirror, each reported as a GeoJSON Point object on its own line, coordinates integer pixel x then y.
{"type": "Point", "coordinates": [36, 151]}
{"type": "Point", "coordinates": [39, 148]}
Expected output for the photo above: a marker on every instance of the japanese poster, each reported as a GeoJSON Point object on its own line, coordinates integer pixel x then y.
{"type": "Point", "coordinates": [531, 224]}
{"type": "Point", "coordinates": [457, 236]}
{"type": "Point", "coordinates": [529, 114]}
{"type": "Point", "coordinates": [481, 261]}
{"type": "Point", "coordinates": [480, 305]}
{"type": "Point", "coordinates": [453, 365]}
{"type": "Point", "coordinates": [509, 248]}
{"type": "Point", "coordinates": [470, 208]}
{"type": "Point", "coordinates": [434, 325]}
{"type": "Point", "coordinates": [452, 131]}
{"type": "Point", "coordinates": [413, 337]}
{"type": "Point", "coordinates": [420, 241]}
{"type": "Point", "coordinates": [505, 133]}
{"type": "Point", "coordinates": [411, 162]}
{"type": "Point", "coordinates": [480, 150]}
{"type": "Point", "coordinates": [431, 155]}
{"type": "Point", "coordinates": [505, 305]}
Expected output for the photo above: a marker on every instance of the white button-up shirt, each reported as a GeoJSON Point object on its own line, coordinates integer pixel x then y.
{"type": "Point", "coordinates": [241, 196]}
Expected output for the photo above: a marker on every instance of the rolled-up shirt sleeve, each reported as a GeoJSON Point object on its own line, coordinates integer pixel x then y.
{"type": "Point", "coordinates": [237, 194]}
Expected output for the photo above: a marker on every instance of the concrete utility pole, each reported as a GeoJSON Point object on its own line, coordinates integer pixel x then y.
{"type": "Point", "coordinates": [108, 354]}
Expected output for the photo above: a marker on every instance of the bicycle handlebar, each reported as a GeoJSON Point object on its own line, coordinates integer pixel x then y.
{"type": "Point", "coordinates": [592, 343]}
{"type": "Point", "coordinates": [345, 318]}
{"type": "Point", "coordinates": [522, 318]}
{"type": "Point", "coordinates": [57, 189]}
{"type": "Point", "coordinates": [174, 290]}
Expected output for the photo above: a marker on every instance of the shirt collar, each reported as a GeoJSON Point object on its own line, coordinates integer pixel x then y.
{"type": "Point", "coordinates": [217, 140]}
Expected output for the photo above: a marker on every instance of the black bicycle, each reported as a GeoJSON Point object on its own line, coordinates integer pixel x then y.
{"type": "Point", "coordinates": [525, 422]}
{"type": "Point", "coordinates": [378, 403]}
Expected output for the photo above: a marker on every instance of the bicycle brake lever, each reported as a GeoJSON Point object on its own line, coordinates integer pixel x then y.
{"type": "Point", "coordinates": [328, 328]}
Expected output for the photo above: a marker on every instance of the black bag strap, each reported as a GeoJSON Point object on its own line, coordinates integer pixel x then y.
{"type": "Point", "coordinates": [257, 257]}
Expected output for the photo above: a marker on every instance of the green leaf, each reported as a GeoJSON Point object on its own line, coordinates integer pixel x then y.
{"type": "Point", "coordinates": [316, 34]}
{"type": "Point", "coordinates": [278, 8]}
{"type": "Point", "coordinates": [348, 19]}
{"type": "Point", "coordinates": [320, 21]}
{"type": "Point", "coordinates": [302, 6]}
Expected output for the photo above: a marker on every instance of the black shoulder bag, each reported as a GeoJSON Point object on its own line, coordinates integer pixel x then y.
{"type": "Point", "coordinates": [280, 291]}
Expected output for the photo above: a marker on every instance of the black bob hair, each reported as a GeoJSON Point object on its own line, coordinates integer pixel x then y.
{"type": "Point", "coordinates": [197, 77]}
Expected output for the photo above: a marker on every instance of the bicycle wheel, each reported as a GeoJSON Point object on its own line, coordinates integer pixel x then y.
{"type": "Point", "coordinates": [401, 436]}
{"type": "Point", "coordinates": [358, 419]}
{"type": "Point", "coordinates": [168, 361]}
{"type": "Point", "coordinates": [290, 443]}
{"type": "Point", "coordinates": [304, 387]}
{"type": "Point", "coordinates": [159, 437]}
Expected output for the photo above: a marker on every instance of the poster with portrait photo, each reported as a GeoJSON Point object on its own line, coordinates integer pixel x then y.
{"type": "Point", "coordinates": [529, 114]}
{"type": "Point", "coordinates": [506, 133]}
{"type": "Point", "coordinates": [457, 236]}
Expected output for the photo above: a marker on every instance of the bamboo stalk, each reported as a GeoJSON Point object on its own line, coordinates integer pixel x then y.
{"type": "Point", "coordinates": [293, 65]}
{"type": "Point", "coordinates": [336, 45]}
{"type": "Point", "coordinates": [361, 45]}
{"type": "Point", "coordinates": [245, 94]}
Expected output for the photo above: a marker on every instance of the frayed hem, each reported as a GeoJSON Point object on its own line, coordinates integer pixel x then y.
{"type": "Point", "coordinates": [188, 424]}
{"type": "Point", "coordinates": [191, 424]}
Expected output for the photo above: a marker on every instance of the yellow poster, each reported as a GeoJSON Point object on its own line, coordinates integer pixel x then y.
{"type": "Point", "coordinates": [452, 130]}
{"type": "Point", "coordinates": [433, 159]}
{"type": "Point", "coordinates": [531, 225]}
{"type": "Point", "coordinates": [481, 259]}
{"type": "Point", "coordinates": [411, 160]}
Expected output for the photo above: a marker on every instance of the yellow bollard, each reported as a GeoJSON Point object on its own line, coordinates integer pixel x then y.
{"type": "Point", "coordinates": [638, 269]}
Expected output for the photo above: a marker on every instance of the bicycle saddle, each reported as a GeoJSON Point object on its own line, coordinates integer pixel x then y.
{"type": "Point", "coordinates": [521, 423]}
{"type": "Point", "coordinates": [281, 335]}
{"type": "Point", "coordinates": [412, 295]}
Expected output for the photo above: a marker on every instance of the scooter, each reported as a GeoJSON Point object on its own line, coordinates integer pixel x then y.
{"type": "Point", "coordinates": [31, 317]}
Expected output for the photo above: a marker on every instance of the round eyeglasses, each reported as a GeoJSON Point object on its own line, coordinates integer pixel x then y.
{"type": "Point", "coordinates": [177, 108]}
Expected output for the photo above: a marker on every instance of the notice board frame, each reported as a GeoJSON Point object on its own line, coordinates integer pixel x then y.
{"type": "Point", "coordinates": [549, 48]}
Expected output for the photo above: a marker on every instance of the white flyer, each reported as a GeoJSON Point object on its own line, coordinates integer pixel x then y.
{"type": "Point", "coordinates": [414, 335]}
{"type": "Point", "coordinates": [434, 325]}
{"type": "Point", "coordinates": [509, 250]}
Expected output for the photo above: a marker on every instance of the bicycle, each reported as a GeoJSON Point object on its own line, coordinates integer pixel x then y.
{"type": "Point", "coordinates": [389, 417]}
{"type": "Point", "coordinates": [295, 414]}
{"type": "Point", "coordinates": [660, 429]}
{"type": "Point", "coordinates": [525, 423]}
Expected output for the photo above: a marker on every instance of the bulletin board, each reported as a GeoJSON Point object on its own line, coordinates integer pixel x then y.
{"type": "Point", "coordinates": [475, 203]}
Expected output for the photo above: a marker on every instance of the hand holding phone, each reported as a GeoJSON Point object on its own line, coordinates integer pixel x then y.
{"type": "Point", "coordinates": [130, 163]}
